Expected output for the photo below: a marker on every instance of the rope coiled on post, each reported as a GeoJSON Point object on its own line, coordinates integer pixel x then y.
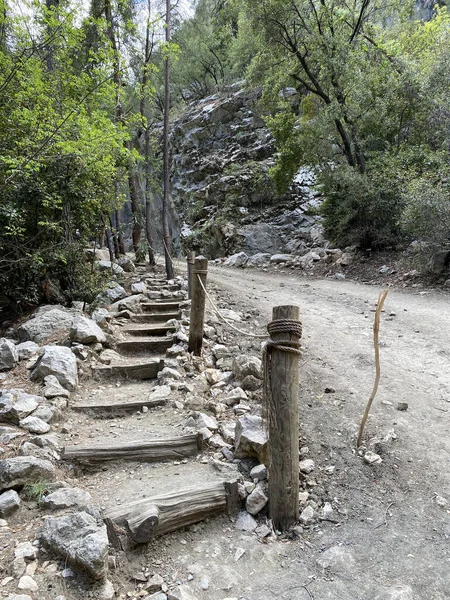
{"type": "Point", "coordinates": [291, 346]}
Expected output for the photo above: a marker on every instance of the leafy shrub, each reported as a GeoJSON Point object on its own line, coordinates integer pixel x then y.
{"type": "Point", "coordinates": [427, 213]}
{"type": "Point", "coordinates": [361, 209]}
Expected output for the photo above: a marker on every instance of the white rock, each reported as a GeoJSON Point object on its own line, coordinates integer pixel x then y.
{"type": "Point", "coordinates": [27, 350]}
{"type": "Point", "coordinates": [9, 503]}
{"type": "Point", "coordinates": [20, 470]}
{"type": "Point", "coordinates": [371, 458]}
{"type": "Point", "coordinates": [66, 498]}
{"type": "Point", "coordinates": [138, 288]}
{"type": "Point", "coordinates": [236, 260]}
{"type": "Point", "coordinates": [60, 362]}
{"type": "Point", "coordinates": [307, 466]}
{"type": "Point", "coordinates": [251, 438]}
{"type": "Point", "coordinates": [307, 515]}
{"type": "Point", "coordinates": [256, 501]}
{"type": "Point", "coordinates": [25, 550]}
{"type": "Point", "coordinates": [280, 258]}
{"type": "Point", "coordinates": [45, 321]}
{"type": "Point", "coordinates": [245, 522]}
{"type": "Point", "coordinates": [86, 331]}
{"type": "Point", "coordinates": [28, 583]}
{"type": "Point", "coordinates": [259, 472]}
{"type": "Point", "coordinates": [34, 425]}
{"type": "Point", "coordinates": [53, 389]}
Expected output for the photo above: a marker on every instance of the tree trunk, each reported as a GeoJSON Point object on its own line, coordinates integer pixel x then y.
{"type": "Point", "coordinates": [134, 199]}
{"type": "Point", "coordinates": [167, 238]}
{"type": "Point", "coordinates": [114, 237]}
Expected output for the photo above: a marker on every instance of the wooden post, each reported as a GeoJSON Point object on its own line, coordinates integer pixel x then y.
{"type": "Point", "coordinates": [190, 268]}
{"type": "Point", "coordinates": [284, 428]}
{"type": "Point", "coordinates": [197, 305]}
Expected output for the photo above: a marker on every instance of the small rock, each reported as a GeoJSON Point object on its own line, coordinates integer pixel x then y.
{"type": "Point", "coordinates": [336, 558]}
{"type": "Point", "coordinates": [307, 515]}
{"type": "Point", "coordinates": [106, 591]}
{"type": "Point", "coordinates": [303, 497]}
{"type": "Point", "coordinates": [66, 498]}
{"type": "Point", "coordinates": [339, 276]}
{"type": "Point", "coordinates": [154, 584]}
{"type": "Point", "coordinates": [59, 361]}
{"type": "Point", "coordinates": [9, 503]}
{"type": "Point", "coordinates": [235, 396]}
{"type": "Point", "coordinates": [402, 406]}
{"type": "Point", "coordinates": [86, 331]}
{"type": "Point", "coordinates": [245, 521]}
{"type": "Point", "coordinates": [9, 356]}
{"type": "Point", "coordinates": [371, 458]}
{"type": "Point", "coordinates": [251, 383]}
{"type": "Point", "coordinates": [330, 390]}
{"type": "Point", "coordinates": [28, 583]}
{"type": "Point", "coordinates": [327, 511]}
{"type": "Point", "coordinates": [263, 531]}
{"type": "Point", "coordinates": [259, 472]}
{"type": "Point", "coordinates": [385, 270]}
{"type": "Point", "coordinates": [251, 438]}
{"type": "Point", "coordinates": [27, 350]}
{"type": "Point", "coordinates": [307, 466]}
{"type": "Point", "coordinates": [35, 425]}
{"type": "Point", "coordinates": [256, 501]}
{"type": "Point", "coordinates": [25, 550]}
{"type": "Point", "coordinates": [239, 554]}
{"type": "Point", "coordinates": [53, 389]}
{"type": "Point", "coordinates": [440, 501]}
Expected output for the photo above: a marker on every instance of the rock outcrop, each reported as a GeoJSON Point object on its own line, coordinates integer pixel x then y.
{"type": "Point", "coordinates": [223, 152]}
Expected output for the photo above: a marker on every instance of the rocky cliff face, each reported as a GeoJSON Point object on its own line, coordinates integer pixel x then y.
{"type": "Point", "coordinates": [222, 153]}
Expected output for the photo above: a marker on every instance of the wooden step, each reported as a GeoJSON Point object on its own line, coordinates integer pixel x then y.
{"type": "Point", "coordinates": [148, 345]}
{"type": "Point", "coordinates": [133, 370]}
{"type": "Point", "coordinates": [157, 318]}
{"type": "Point", "coordinates": [150, 330]}
{"type": "Point", "coordinates": [149, 517]}
{"type": "Point", "coordinates": [142, 450]}
{"type": "Point", "coordinates": [160, 307]}
{"type": "Point", "coordinates": [162, 288]}
{"type": "Point", "coordinates": [130, 405]}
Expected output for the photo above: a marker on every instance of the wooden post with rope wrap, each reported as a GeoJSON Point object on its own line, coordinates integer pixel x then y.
{"type": "Point", "coordinates": [190, 267]}
{"type": "Point", "coordinates": [197, 321]}
{"type": "Point", "coordinates": [281, 390]}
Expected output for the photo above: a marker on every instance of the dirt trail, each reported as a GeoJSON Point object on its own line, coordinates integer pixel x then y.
{"type": "Point", "coordinates": [394, 529]}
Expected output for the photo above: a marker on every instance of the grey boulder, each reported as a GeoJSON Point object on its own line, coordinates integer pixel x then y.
{"type": "Point", "coordinates": [251, 438]}
{"type": "Point", "coordinates": [80, 539]}
{"type": "Point", "coordinates": [60, 362]}
{"type": "Point", "coordinates": [27, 350]}
{"type": "Point", "coordinates": [45, 321]}
{"type": "Point", "coordinates": [53, 389]}
{"type": "Point", "coordinates": [9, 357]}
{"type": "Point", "coordinates": [16, 405]}
{"type": "Point", "coordinates": [34, 425]}
{"type": "Point", "coordinates": [86, 331]}
{"type": "Point", "coordinates": [66, 498]}
{"type": "Point", "coordinates": [245, 365]}
{"type": "Point", "coordinates": [112, 294]}
{"type": "Point", "coordinates": [9, 503]}
{"type": "Point", "coordinates": [17, 471]}
{"type": "Point", "coordinates": [237, 260]}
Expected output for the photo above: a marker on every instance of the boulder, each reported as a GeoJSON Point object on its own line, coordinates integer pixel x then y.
{"type": "Point", "coordinates": [245, 365]}
{"type": "Point", "coordinates": [112, 293]}
{"type": "Point", "coordinates": [9, 503]}
{"type": "Point", "coordinates": [127, 264]}
{"type": "Point", "coordinates": [34, 425]}
{"type": "Point", "coordinates": [47, 413]}
{"type": "Point", "coordinates": [9, 357]}
{"type": "Point", "coordinates": [256, 501]}
{"type": "Point", "coordinates": [258, 260]}
{"type": "Point", "coordinates": [138, 288]}
{"type": "Point", "coordinates": [66, 498]}
{"type": "Point", "coordinates": [107, 265]}
{"type": "Point", "coordinates": [101, 316]}
{"type": "Point", "coordinates": [440, 262]}
{"type": "Point", "coordinates": [27, 350]}
{"type": "Point", "coordinates": [245, 522]}
{"type": "Point", "coordinates": [86, 331]}
{"type": "Point", "coordinates": [280, 258]}
{"type": "Point", "coordinates": [45, 322]}
{"type": "Point", "coordinates": [17, 471]}
{"type": "Point", "coordinates": [251, 438]}
{"type": "Point", "coordinates": [132, 303]}
{"type": "Point", "coordinates": [59, 361]}
{"type": "Point", "coordinates": [53, 389]}
{"type": "Point", "coordinates": [16, 405]}
{"type": "Point", "coordinates": [80, 539]}
{"type": "Point", "coordinates": [236, 260]}
{"type": "Point", "coordinates": [7, 434]}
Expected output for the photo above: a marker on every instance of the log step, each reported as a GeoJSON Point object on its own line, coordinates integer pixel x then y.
{"type": "Point", "coordinates": [132, 405]}
{"type": "Point", "coordinates": [144, 519]}
{"type": "Point", "coordinates": [162, 288]}
{"type": "Point", "coordinates": [156, 318]}
{"type": "Point", "coordinates": [149, 330]}
{"type": "Point", "coordinates": [141, 370]}
{"type": "Point", "coordinates": [158, 307]}
{"type": "Point", "coordinates": [142, 451]}
{"type": "Point", "coordinates": [147, 345]}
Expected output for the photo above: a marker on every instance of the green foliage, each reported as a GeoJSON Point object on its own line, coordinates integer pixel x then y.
{"type": "Point", "coordinates": [35, 491]}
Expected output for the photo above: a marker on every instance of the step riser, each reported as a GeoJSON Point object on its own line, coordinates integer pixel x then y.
{"type": "Point", "coordinates": [154, 307]}
{"type": "Point", "coordinates": [149, 331]}
{"type": "Point", "coordinates": [157, 318]}
{"type": "Point", "coordinates": [148, 370]}
{"type": "Point", "coordinates": [134, 346]}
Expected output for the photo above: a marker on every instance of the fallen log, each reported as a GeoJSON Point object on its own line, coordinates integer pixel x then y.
{"type": "Point", "coordinates": [146, 451]}
{"type": "Point", "coordinates": [144, 519]}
